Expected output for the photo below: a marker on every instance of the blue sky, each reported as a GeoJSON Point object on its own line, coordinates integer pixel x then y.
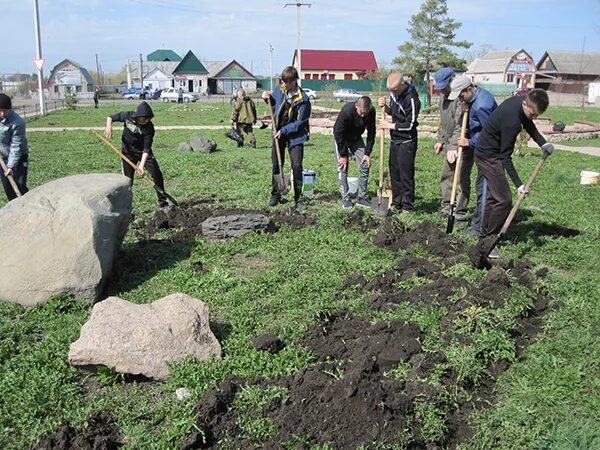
{"type": "Point", "coordinates": [242, 29]}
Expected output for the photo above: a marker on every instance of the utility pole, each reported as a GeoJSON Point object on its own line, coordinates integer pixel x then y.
{"type": "Point", "coordinates": [98, 69]}
{"type": "Point", "coordinates": [141, 72]}
{"type": "Point", "coordinates": [271, 67]}
{"type": "Point", "coordinates": [298, 33]}
{"type": "Point", "coordinates": [38, 39]}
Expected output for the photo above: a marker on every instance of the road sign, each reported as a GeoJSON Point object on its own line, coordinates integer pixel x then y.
{"type": "Point", "coordinates": [39, 63]}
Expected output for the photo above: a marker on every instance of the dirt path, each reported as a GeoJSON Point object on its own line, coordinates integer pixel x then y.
{"type": "Point", "coordinates": [595, 151]}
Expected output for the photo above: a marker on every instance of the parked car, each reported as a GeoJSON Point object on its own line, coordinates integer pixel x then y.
{"type": "Point", "coordinates": [172, 95]}
{"type": "Point", "coordinates": [311, 94]}
{"type": "Point", "coordinates": [135, 93]}
{"type": "Point", "coordinates": [346, 95]}
{"type": "Point", "coordinates": [521, 91]}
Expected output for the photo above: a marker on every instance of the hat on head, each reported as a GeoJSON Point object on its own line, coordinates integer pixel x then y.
{"type": "Point", "coordinates": [5, 102]}
{"type": "Point", "coordinates": [442, 77]}
{"type": "Point", "coordinates": [458, 84]}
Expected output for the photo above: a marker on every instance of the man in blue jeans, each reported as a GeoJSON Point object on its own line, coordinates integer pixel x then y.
{"type": "Point", "coordinates": [14, 150]}
{"type": "Point", "coordinates": [349, 126]}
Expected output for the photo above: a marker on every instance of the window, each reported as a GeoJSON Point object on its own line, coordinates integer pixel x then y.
{"type": "Point", "coordinates": [332, 76]}
{"type": "Point", "coordinates": [77, 88]}
{"type": "Point", "coordinates": [323, 76]}
{"type": "Point", "coordinates": [307, 76]}
{"type": "Point", "coordinates": [56, 88]}
{"type": "Point", "coordinates": [510, 78]}
{"type": "Point", "coordinates": [315, 76]}
{"type": "Point", "coordinates": [347, 76]}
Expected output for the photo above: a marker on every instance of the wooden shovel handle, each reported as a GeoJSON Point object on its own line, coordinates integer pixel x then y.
{"type": "Point", "coordinates": [521, 197]}
{"type": "Point", "coordinates": [122, 156]}
{"type": "Point", "coordinates": [11, 180]}
{"type": "Point", "coordinates": [463, 132]}
{"type": "Point", "coordinates": [274, 138]}
{"type": "Point", "coordinates": [381, 150]}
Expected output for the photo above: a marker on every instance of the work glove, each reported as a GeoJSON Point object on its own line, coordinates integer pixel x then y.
{"type": "Point", "coordinates": [548, 148]}
{"type": "Point", "coordinates": [523, 190]}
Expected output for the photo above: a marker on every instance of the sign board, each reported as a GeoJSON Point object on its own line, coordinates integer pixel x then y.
{"type": "Point", "coordinates": [68, 77]}
{"type": "Point", "coordinates": [38, 63]}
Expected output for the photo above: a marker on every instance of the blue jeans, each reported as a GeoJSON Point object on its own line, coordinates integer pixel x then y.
{"type": "Point", "coordinates": [19, 174]}
{"type": "Point", "coordinates": [358, 150]}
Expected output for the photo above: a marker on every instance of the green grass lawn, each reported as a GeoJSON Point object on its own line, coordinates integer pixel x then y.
{"type": "Point", "coordinates": [549, 399]}
{"type": "Point", "coordinates": [569, 115]}
{"type": "Point", "coordinates": [583, 143]}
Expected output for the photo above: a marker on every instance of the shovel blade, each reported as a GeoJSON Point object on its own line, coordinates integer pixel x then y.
{"type": "Point", "coordinates": [282, 183]}
{"type": "Point", "coordinates": [450, 224]}
{"type": "Point", "coordinates": [380, 206]}
{"type": "Point", "coordinates": [480, 252]}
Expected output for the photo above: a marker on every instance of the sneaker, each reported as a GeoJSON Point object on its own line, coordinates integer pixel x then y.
{"type": "Point", "coordinates": [274, 200]}
{"type": "Point", "coordinates": [364, 202]}
{"type": "Point", "coordinates": [347, 204]}
{"type": "Point", "coordinates": [495, 253]}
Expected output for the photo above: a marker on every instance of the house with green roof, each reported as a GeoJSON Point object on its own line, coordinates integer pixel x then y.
{"type": "Point", "coordinates": [191, 74]}
{"type": "Point", "coordinates": [163, 55]}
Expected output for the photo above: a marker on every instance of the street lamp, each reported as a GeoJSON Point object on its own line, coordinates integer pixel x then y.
{"type": "Point", "coordinates": [298, 31]}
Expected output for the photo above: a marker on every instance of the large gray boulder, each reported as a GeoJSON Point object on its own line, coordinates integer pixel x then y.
{"type": "Point", "coordinates": [202, 144]}
{"type": "Point", "coordinates": [218, 228]}
{"type": "Point", "coordinates": [143, 339]}
{"type": "Point", "coordinates": [62, 238]}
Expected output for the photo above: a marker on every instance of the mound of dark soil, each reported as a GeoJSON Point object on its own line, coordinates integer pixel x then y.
{"type": "Point", "coordinates": [374, 385]}
{"type": "Point", "coordinates": [188, 218]}
{"type": "Point", "coordinates": [100, 434]}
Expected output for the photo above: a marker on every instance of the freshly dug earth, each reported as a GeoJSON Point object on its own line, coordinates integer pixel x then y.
{"type": "Point", "coordinates": [188, 217]}
{"type": "Point", "coordinates": [374, 384]}
{"type": "Point", "coordinates": [100, 434]}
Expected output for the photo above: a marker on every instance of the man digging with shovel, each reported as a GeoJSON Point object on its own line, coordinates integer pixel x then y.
{"type": "Point", "coordinates": [493, 154]}
{"type": "Point", "coordinates": [290, 109]}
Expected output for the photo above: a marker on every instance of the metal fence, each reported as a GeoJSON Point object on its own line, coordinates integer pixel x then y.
{"type": "Point", "coordinates": [33, 109]}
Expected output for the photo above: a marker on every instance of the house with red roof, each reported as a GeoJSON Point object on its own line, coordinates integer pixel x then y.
{"type": "Point", "coordinates": [334, 64]}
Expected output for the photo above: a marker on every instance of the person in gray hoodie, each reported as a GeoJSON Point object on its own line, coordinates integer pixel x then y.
{"type": "Point", "coordinates": [14, 150]}
{"type": "Point", "coordinates": [138, 134]}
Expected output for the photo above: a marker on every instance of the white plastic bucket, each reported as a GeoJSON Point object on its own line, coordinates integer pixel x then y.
{"type": "Point", "coordinates": [588, 177]}
{"type": "Point", "coordinates": [352, 185]}
{"type": "Point", "coordinates": [309, 182]}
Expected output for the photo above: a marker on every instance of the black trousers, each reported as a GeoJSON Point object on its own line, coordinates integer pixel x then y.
{"type": "Point", "coordinates": [296, 157]}
{"type": "Point", "coordinates": [499, 196]}
{"type": "Point", "coordinates": [151, 166]}
{"type": "Point", "coordinates": [402, 173]}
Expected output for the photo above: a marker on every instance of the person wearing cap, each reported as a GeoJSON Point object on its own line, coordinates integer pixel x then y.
{"type": "Point", "coordinates": [480, 103]}
{"type": "Point", "coordinates": [404, 109]}
{"type": "Point", "coordinates": [493, 153]}
{"type": "Point", "coordinates": [450, 114]}
{"type": "Point", "coordinates": [138, 134]}
{"type": "Point", "coordinates": [348, 129]}
{"type": "Point", "coordinates": [14, 150]}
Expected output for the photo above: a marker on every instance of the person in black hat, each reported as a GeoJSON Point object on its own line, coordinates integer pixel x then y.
{"type": "Point", "coordinates": [138, 134]}
{"type": "Point", "coordinates": [14, 150]}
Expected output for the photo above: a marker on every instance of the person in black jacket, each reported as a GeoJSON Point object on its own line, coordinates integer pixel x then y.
{"type": "Point", "coordinates": [404, 108]}
{"type": "Point", "coordinates": [138, 134]}
{"type": "Point", "coordinates": [493, 153]}
{"type": "Point", "coordinates": [349, 126]}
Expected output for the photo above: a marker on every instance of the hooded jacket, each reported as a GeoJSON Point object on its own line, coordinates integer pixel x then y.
{"type": "Point", "coordinates": [291, 115]}
{"type": "Point", "coordinates": [136, 138]}
{"type": "Point", "coordinates": [244, 111]}
{"type": "Point", "coordinates": [404, 110]}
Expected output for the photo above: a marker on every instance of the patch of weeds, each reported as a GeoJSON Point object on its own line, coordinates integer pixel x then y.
{"type": "Point", "coordinates": [249, 403]}
{"type": "Point", "coordinates": [412, 282]}
{"type": "Point", "coordinates": [466, 271]}
{"type": "Point", "coordinates": [108, 375]}
{"type": "Point", "coordinates": [465, 361]}
{"type": "Point", "coordinates": [400, 371]}
{"type": "Point", "coordinates": [432, 422]}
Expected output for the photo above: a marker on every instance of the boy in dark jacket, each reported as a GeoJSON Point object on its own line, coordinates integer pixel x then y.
{"type": "Point", "coordinates": [291, 111]}
{"type": "Point", "coordinates": [14, 149]}
{"type": "Point", "coordinates": [138, 134]}
{"type": "Point", "coordinates": [349, 126]}
{"type": "Point", "coordinates": [404, 108]}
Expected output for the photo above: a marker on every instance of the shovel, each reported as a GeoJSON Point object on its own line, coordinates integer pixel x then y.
{"type": "Point", "coordinates": [11, 180]}
{"type": "Point", "coordinates": [479, 254]}
{"type": "Point", "coordinates": [282, 181]}
{"type": "Point", "coordinates": [128, 161]}
{"type": "Point", "coordinates": [463, 131]}
{"type": "Point", "coordinates": [382, 203]}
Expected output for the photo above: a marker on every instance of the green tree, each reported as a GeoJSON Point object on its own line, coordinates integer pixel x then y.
{"type": "Point", "coordinates": [432, 34]}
